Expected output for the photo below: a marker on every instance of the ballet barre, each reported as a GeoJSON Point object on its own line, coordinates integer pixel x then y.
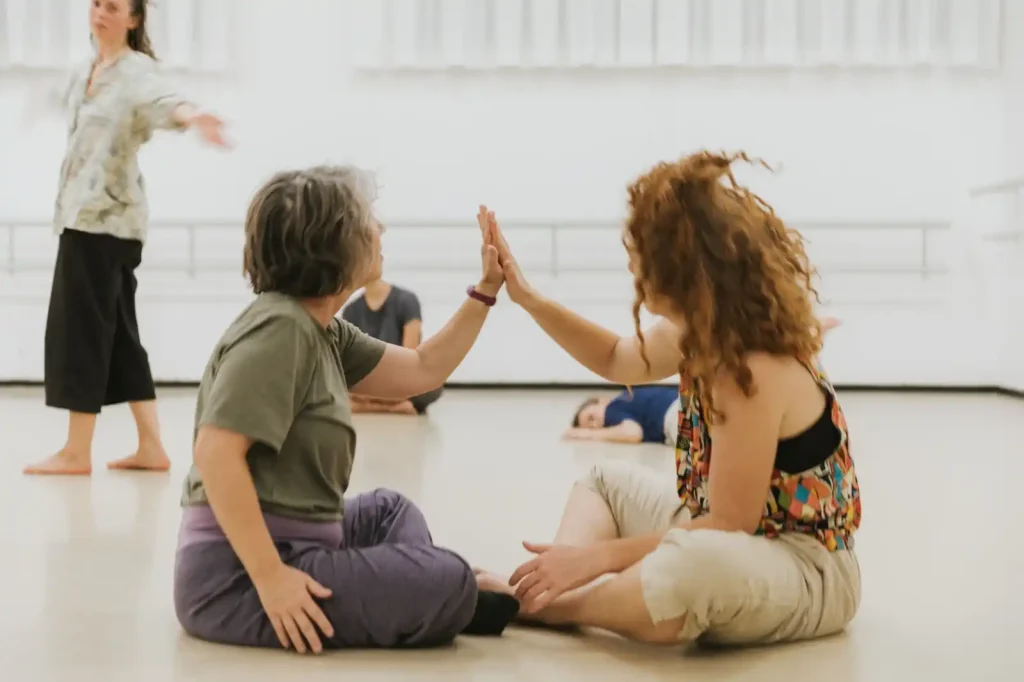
{"type": "Point", "coordinates": [196, 248]}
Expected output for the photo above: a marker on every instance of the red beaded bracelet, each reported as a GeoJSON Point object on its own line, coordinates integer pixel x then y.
{"type": "Point", "coordinates": [483, 298]}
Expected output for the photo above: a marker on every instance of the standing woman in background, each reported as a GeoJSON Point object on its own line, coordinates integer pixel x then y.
{"type": "Point", "coordinates": [93, 355]}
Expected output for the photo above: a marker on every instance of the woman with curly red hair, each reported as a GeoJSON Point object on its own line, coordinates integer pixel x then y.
{"type": "Point", "coordinates": [752, 542]}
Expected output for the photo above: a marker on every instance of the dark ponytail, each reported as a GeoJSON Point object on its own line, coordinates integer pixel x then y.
{"type": "Point", "coordinates": [138, 37]}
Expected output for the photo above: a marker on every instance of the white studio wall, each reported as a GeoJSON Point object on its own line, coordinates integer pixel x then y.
{"type": "Point", "coordinates": [998, 225]}
{"type": "Point", "coordinates": [995, 215]}
{"type": "Point", "coordinates": [881, 115]}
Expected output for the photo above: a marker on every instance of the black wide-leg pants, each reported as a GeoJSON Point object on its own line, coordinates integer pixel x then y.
{"type": "Point", "coordinates": [93, 355]}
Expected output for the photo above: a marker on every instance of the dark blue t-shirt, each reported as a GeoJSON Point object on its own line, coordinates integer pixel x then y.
{"type": "Point", "coordinates": [647, 407]}
{"type": "Point", "coordinates": [387, 322]}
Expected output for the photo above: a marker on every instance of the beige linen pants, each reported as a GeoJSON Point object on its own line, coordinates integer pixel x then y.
{"type": "Point", "coordinates": [733, 588]}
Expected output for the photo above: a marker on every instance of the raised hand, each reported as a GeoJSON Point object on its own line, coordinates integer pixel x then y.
{"type": "Point", "coordinates": [492, 276]}
{"type": "Point", "coordinates": [519, 290]}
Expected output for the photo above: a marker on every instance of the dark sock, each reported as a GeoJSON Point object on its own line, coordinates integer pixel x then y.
{"type": "Point", "coordinates": [494, 611]}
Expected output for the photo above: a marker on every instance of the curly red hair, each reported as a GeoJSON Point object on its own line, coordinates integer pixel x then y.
{"type": "Point", "coordinates": [718, 253]}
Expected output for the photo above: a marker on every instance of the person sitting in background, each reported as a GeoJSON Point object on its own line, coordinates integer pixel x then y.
{"type": "Point", "coordinates": [647, 414]}
{"type": "Point", "coordinates": [393, 315]}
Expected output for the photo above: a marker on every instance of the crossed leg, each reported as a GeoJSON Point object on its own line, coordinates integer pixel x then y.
{"type": "Point", "coordinates": [613, 501]}
{"type": "Point", "coordinates": [730, 588]}
{"type": "Point", "coordinates": [391, 586]}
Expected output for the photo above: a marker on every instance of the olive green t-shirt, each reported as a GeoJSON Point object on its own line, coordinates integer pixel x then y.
{"type": "Point", "coordinates": [279, 378]}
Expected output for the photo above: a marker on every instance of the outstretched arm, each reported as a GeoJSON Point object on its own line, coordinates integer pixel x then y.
{"type": "Point", "coordinates": [46, 97]}
{"type": "Point", "coordinates": [615, 358]}
{"type": "Point", "coordinates": [158, 106]}
{"type": "Point", "coordinates": [407, 372]}
{"type": "Point", "coordinates": [627, 431]}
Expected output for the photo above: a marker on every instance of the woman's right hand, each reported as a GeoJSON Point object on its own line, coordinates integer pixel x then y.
{"type": "Point", "coordinates": [287, 597]}
{"type": "Point", "coordinates": [519, 290]}
{"type": "Point", "coordinates": [211, 129]}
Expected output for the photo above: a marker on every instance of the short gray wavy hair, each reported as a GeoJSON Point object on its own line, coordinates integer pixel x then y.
{"type": "Point", "coordinates": [309, 233]}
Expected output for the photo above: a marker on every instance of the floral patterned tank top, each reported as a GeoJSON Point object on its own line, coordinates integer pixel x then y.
{"type": "Point", "coordinates": [823, 500]}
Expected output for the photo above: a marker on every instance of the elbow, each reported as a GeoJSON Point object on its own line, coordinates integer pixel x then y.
{"type": "Point", "coordinates": [214, 448]}
{"type": "Point", "coordinates": [182, 115]}
{"type": "Point", "coordinates": [609, 369]}
{"type": "Point", "coordinates": [620, 365]}
{"type": "Point", "coordinates": [202, 458]}
{"type": "Point", "coordinates": [430, 376]}
{"type": "Point", "coordinates": [749, 527]}
{"type": "Point", "coordinates": [739, 520]}
{"type": "Point", "coordinates": [748, 523]}
{"type": "Point", "coordinates": [728, 523]}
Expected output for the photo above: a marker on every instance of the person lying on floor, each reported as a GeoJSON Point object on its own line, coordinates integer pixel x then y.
{"type": "Point", "coordinates": [271, 553]}
{"type": "Point", "coordinates": [751, 541]}
{"type": "Point", "coordinates": [647, 414]}
{"type": "Point", "coordinates": [391, 314]}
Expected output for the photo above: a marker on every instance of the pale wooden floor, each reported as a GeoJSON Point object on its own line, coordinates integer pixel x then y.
{"type": "Point", "coordinates": [85, 584]}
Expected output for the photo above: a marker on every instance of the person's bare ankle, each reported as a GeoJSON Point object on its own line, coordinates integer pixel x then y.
{"type": "Point", "coordinates": [150, 456]}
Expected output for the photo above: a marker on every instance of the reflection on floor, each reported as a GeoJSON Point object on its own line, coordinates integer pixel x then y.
{"type": "Point", "coordinates": [85, 586]}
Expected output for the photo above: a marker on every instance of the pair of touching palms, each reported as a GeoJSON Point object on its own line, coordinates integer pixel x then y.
{"type": "Point", "coordinates": [499, 264]}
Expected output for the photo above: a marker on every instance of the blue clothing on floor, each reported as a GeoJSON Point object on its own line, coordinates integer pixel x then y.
{"type": "Point", "coordinates": [647, 407]}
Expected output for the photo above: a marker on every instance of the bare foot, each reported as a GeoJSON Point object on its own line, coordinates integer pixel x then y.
{"type": "Point", "coordinates": [404, 407]}
{"type": "Point", "coordinates": [491, 582]}
{"type": "Point", "coordinates": [63, 463]}
{"type": "Point", "coordinates": [145, 459]}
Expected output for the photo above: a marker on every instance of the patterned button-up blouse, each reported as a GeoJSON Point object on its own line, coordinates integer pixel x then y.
{"type": "Point", "coordinates": [101, 187]}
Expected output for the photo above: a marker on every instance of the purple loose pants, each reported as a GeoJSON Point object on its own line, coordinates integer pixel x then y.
{"type": "Point", "coordinates": [391, 587]}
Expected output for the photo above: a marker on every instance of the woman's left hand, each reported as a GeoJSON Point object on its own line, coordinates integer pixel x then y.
{"type": "Point", "coordinates": [830, 323]}
{"type": "Point", "coordinates": [578, 433]}
{"type": "Point", "coordinates": [555, 570]}
{"type": "Point", "coordinates": [210, 128]}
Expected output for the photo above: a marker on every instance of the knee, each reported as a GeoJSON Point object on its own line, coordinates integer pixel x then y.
{"type": "Point", "coordinates": [458, 588]}
{"type": "Point", "coordinates": [452, 592]}
{"type": "Point", "coordinates": [703, 575]}
{"type": "Point", "coordinates": [604, 477]}
{"type": "Point", "coordinates": [196, 626]}
{"type": "Point", "coordinates": [390, 498]}
{"type": "Point", "coordinates": [385, 498]}
{"type": "Point", "coordinates": [665, 633]}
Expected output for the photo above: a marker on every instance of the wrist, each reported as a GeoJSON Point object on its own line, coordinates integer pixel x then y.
{"type": "Point", "coordinates": [531, 302]}
{"type": "Point", "coordinates": [605, 558]}
{"type": "Point", "coordinates": [186, 114]}
{"type": "Point", "coordinates": [262, 572]}
{"type": "Point", "coordinates": [488, 289]}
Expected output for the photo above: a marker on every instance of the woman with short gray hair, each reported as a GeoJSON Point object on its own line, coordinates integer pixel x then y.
{"type": "Point", "coordinates": [270, 552]}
